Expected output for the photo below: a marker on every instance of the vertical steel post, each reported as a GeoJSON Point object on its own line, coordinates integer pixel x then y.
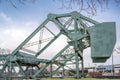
{"type": "Point", "coordinates": [51, 70]}
{"type": "Point", "coordinates": [10, 70]}
{"type": "Point", "coordinates": [82, 65]}
{"type": "Point", "coordinates": [76, 47]}
{"type": "Point", "coordinates": [63, 71]}
{"type": "Point", "coordinates": [77, 64]}
{"type": "Point", "coordinates": [112, 65]}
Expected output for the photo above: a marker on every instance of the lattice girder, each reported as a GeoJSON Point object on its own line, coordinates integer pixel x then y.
{"type": "Point", "coordinates": [79, 31]}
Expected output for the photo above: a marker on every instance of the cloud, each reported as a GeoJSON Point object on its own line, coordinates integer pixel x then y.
{"type": "Point", "coordinates": [5, 21]}
{"type": "Point", "coordinates": [5, 18]}
{"type": "Point", "coordinates": [14, 32]}
{"type": "Point", "coordinates": [10, 38]}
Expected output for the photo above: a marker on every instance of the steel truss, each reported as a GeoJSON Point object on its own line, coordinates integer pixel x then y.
{"type": "Point", "coordinates": [73, 25]}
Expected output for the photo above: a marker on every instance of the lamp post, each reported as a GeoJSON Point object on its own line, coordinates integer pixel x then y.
{"type": "Point", "coordinates": [112, 65]}
{"type": "Point", "coordinates": [94, 68]}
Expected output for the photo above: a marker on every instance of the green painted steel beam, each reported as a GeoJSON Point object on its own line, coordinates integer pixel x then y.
{"type": "Point", "coordinates": [82, 23]}
{"type": "Point", "coordinates": [51, 72]}
{"type": "Point", "coordinates": [77, 65]}
{"type": "Point", "coordinates": [29, 37]}
{"type": "Point", "coordinates": [39, 52]}
{"type": "Point", "coordinates": [62, 27]}
{"type": "Point", "coordinates": [58, 54]}
{"type": "Point", "coordinates": [32, 60]}
{"type": "Point", "coordinates": [4, 66]}
{"type": "Point", "coordinates": [24, 54]}
{"type": "Point", "coordinates": [58, 15]}
{"type": "Point", "coordinates": [78, 15]}
{"type": "Point", "coordinates": [97, 35]}
{"type": "Point", "coordinates": [61, 65]}
{"type": "Point", "coordinates": [82, 65]}
{"type": "Point", "coordinates": [40, 70]}
{"type": "Point", "coordinates": [88, 19]}
{"type": "Point", "coordinates": [74, 14]}
{"type": "Point", "coordinates": [21, 69]}
{"type": "Point", "coordinates": [3, 57]}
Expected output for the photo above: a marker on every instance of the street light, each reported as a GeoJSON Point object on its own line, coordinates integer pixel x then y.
{"type": "Point", "coordinates": [112, 65]}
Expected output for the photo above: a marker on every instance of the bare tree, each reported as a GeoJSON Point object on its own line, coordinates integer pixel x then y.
{"type": "Point", "coordinates": [89, 6]}
{"type": "Point", "coordinates": [14, 3]}
{"type": "Point", "coordinates": [5, 51]}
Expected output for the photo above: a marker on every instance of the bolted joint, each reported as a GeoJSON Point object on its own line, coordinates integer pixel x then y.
{"type": "Point", "coordinates": [12, 58]}
{"type": "Point", "coordinates": [51, 17]}
{"type": "Point", "coordinates": [75, 14]}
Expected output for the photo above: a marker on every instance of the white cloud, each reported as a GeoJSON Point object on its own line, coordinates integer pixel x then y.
{"type": "Point", "coordinates": [6, 19]}
{"type": "Point", "coordinates": [14, 32]}
{"type": "Point", "coordinates": [10, 38]}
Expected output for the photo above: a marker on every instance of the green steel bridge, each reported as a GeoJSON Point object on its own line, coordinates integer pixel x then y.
{"type": "Point", "coordinates": [80, 31]}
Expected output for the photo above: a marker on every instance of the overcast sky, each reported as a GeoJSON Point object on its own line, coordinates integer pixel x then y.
{"type": "Point", "coordinates": [17, 23]}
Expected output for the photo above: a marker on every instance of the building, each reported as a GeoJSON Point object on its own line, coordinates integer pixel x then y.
{"type": "Point", "coordinates": [109, 69]}
{"type": "Point", "coordinates": [104, 68]}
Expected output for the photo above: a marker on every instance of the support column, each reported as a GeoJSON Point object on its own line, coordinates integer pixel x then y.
{"type": "Point", "coordinates": [10, 69]}
{"type": "Point", "coordinates": [51, 70]}
{"type": "Point", "coordinates": [77, 64]}
{"type": "Point", "coordinates": [82, 65]}
{"type": "Point", "coordinates": [63, 71]}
